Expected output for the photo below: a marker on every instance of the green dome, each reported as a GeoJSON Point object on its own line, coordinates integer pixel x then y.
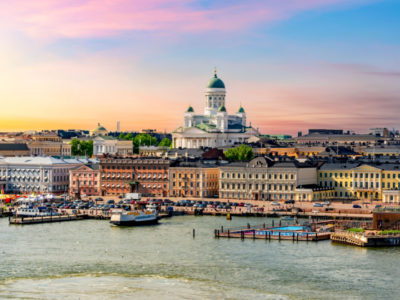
{"type": "Point", "coordinates": [100, 128]}
{"type": "Point", "coordinates": [222, 108]}
{"type": "Point", "coordinates": [241, 109]}
{"type": "Point", "coordinates": [215, 83]}
{"type": "Point", "coordinates": [190, 109]}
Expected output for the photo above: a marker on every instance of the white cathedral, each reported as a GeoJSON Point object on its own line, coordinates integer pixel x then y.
{"type": "Point", "coordinates": [214, 128]}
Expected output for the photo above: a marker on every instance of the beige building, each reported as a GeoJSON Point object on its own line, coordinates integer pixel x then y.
{"type": "Point", "coordinates": [111, 145]}
{"type": "Point", "coordinates": [49, 148]}
{"type": "Point", "coordinates": [193, 179]}
{"type": "Point", "coordinates": [260, 179]}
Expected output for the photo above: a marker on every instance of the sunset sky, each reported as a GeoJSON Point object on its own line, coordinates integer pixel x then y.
{"type": "Point", "coordinates": [293, 64]}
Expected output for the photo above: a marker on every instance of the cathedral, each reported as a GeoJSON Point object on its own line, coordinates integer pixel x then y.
{"type": "Point", "coordinates": [214, 128]}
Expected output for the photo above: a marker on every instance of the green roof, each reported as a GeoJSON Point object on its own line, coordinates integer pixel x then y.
{"type": "Point", "coordinates": [222, 108]}
{"type": "Point", "coordinates": [241, 109]}
{"type": "Point", "coordinates": [190, 109]}
{"type": "Point", "coordinates": [215, 83]}
{"type": "Point", "coordinates": [205, 127]}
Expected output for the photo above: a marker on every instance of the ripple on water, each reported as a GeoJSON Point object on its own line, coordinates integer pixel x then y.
{"type": "Point", "coordinates": [108, 286]}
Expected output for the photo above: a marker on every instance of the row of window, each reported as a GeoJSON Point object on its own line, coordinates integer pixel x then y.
{"type": "Point", "coordinates": [84, 182]}
{"type": "Point", "coordinates": [132, 167]}
{"type": "Point", "coordinates": [359, 175]}
{"type": "Point", "coordinates": [263, 196]}
{"type": "Point", "coordinates": [388, 185]}
{"type": "Point", "coordinates": [184, 175]}
{"type": "Point", "coordinates": [258, 176]}
{"type": "Point", "coordinates": [273, 187]}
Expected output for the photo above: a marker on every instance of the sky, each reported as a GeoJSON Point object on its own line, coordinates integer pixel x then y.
{"type": "Point", "coordinates": [292, 64]}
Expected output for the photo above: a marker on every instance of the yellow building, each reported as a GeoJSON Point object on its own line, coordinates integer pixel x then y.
{"type": "Point", "coordinates": [362, 181]}
{"type": "Point", "coordinates": [193, 179]}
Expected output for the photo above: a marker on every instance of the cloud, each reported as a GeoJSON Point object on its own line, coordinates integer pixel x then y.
{"type": "Point", "coordinates": [100, 18]}
{"type": "Point", "coordinates": [365, 69]}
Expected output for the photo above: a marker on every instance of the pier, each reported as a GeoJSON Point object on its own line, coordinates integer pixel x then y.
{"type": "Point", "coordinates": [291, 232]}
{"type": "Point", "coordinates": [46, 219]}
{"type": "Point", "coordinates": [368, 239]}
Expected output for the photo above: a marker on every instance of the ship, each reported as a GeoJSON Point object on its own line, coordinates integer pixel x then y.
{"type": "Point", "coordinates": [121, 217]}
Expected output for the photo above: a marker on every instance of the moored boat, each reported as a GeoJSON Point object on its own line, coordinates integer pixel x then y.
{"type": "Point", "coordinates": [134, 218]}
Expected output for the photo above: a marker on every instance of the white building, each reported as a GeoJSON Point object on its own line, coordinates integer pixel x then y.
{"type": "Point", "coordinates": [214, 128]}
{"type": "Point", "coordinates": [110, 145]}
{"type": "Point", "coordinates": [36, 174]}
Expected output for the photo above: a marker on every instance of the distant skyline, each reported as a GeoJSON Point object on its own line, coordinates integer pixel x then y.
{"type": "Point", "coordinates": [293, 65]}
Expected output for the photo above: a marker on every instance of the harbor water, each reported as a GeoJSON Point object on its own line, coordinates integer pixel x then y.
{"type": "Point", "coordinates": [90, 259]}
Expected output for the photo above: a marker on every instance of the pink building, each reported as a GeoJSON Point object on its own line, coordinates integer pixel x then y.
{"type": "Point", "coordinates": [84, 180]}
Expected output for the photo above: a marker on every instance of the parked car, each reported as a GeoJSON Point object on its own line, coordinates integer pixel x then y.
{"type": "Point", "coordinates": [318, 205]}
{"type": "Point", "coordinates": [289, 202]}
{"type": "Point", "coordinates": [275, 203]}
{"type": "Point", "coordinates": [356, 206]}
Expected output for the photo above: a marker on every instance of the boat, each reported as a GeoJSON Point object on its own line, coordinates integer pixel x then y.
{"type": "Point", "coordinates": [29, 211]}
{"type": "Point", "coordinates": [122, 217]}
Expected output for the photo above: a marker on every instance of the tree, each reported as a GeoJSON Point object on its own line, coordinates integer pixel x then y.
{"type": "Point", "coordinates": [240, 153]}
{"type": "Point", "coordinates": [165, 142]}
{"type": "Point", "coordinates": [144, 139]}
{"type": "Point", "coordinates": [74, 146]}
{"type": "Point", "coordinates": [82, 148]}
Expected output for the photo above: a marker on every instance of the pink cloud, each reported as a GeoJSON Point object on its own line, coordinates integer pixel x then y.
{"type": "Point", "coordinates": [96, 18]}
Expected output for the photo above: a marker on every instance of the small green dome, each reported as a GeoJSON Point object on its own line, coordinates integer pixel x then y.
{"type": "Point", "coordinates": [241, 109]}
{"type": "Point", "coordinates": [222, 108]}
{"type": "Point", "coordinates": [190, 109]}
{"type": "Point", "coordinates": [100, 127]}
{"type": "Point", "coordinates": [215, 83]}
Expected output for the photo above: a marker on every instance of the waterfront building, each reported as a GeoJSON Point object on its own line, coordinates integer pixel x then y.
{"type": "Point", "coordinates": [36, 174]}
{"type": "Point", "coordinates": [84, 180]}
{"type": "Point", "coordinates": [314, 192]}
{"type": "Point", "coordinates": [213, 128]}
{"type": "Point", "coordinates": [110, 145]}
{"type": "Point", "coordinates": [362, 181]}
{"type": "Point", "coordinates": [14, 149]}
{"type": "Point", "coordinates": [117, 175]}
{"type": "Point", "coordinates": [262, 179]}
{"type": "Point", "coordinates": [151, 176]}
{"type": "Point", "coordinates": [195, 179]}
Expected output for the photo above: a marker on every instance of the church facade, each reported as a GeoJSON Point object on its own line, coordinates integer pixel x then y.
{"type": "Point", "coordinates": [213, 128]}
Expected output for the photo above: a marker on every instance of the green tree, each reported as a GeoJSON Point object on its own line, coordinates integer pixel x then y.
{"type": "Point", "coordinates": [165, 142]}
{"type": "Point", "coordinates": [129, 136]}
{"type": "Point", "coordinates": [81, 148]}
{"type": "Point", "coordinates": [121, 136]}
{"type": "Point", "coordinates": [74, 147]}
{"type": "Point", "coordinates": [239, 153]}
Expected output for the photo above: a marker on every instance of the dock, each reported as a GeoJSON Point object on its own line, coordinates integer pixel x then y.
{"type": "Point", "coordinates": [365, 239]}
{"type": "Point", "coordinates": [46, 219]}
{"type": "Point", "coordinates": [255, 213]}
{"type": "Point", "coordinates": [291, 233]}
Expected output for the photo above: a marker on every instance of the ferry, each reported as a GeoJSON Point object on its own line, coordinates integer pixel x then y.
{"type": "Point", "coordinates": [134, 218]}
{"type": "Point", "coordinates": [25, 211]}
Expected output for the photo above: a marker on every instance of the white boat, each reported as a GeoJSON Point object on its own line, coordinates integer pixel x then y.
{"type": "Point", "coordinates": [134, 218]}
{"type": "Point", "coordinates": [24, 211]}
